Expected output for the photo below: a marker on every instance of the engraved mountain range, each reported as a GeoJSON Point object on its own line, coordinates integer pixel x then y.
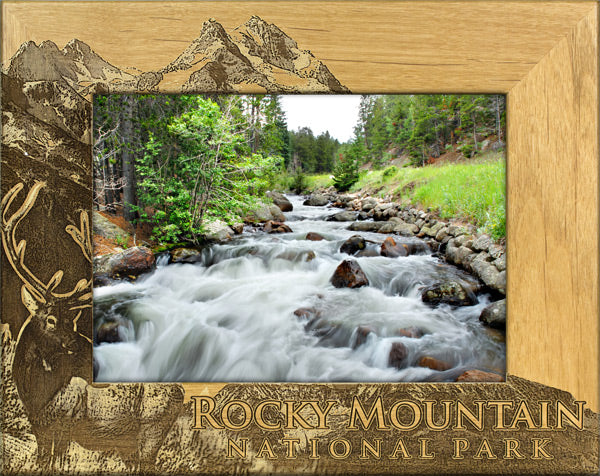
{"type": "Point", "coordinates": [257, 56]}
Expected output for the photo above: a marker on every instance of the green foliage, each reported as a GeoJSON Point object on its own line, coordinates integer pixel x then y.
{"type": "Point", "coordinates": [299, 182]}
{"type": "Point", "coordinates": [204, 178]}
{"type": "Point", "coordinates": [345, 173]}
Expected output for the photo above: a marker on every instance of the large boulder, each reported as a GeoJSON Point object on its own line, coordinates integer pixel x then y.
{"type": "Point", "coordinates": [127, 264]}
{"type": "Point", "coordinates": [281, 201]}
{"type": "Point", "coordinates": [349, 275]}
{"type": "Point", "coordinates": [104, 227]}
{"type": "Point", "coordinates": [343, 216]}
{"type": "Point", "coordinates": [494, 315]}
{"type": "Point", "coordinates": [353, 245]}
{"type": "Point", "coordinates": [451, 292]}
{"type": "Point", "coordinates": [264, 213]}
{"type": "Point", "coordinates": [185, 255]}
{"type": "Point", "coordinates": [316, 200]}
{"type": "Point", "coordinates": [391, 249]}
{"type": "Point", "coordinates": [218, 231]}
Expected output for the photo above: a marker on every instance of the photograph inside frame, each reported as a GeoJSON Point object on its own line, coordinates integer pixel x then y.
{"type": "Point", "coordinates": [295, 238]}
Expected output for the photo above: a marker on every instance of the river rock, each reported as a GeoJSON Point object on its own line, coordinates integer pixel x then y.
{"type": "Point", "coordinates": [276, 227]}
{"type": "Point", "coordinates": [281, 201]}
{"type": "Point", "coordinates": [482, 243]}
{"type": "Point", "coordinates": [369, 204]}
{"type": "Point", "coordinates": [104, 227]}
{"type": "Point", "coordinates": [391, 249]}
{"type": "Point", "coordinates": [398, 355]}
{"type": "Point", "coordinates": [316, 200]}
{"type": "Point", "coordinates": [185, 255]}
{"type": "Point", "coordinates": [264, 213]}
{"type": "Point", "coordinates": [349, 274]}
{"type": "Point", "coordinates": [353, 244]}
{"type": "Point", "coordinates": [366, 225]}
{"type": "Point", "coordinates": [479, 376]}
{"type": "Point", "coordinates": [500, 263]}
{"type": "Point", "coordinates": [442, 235]}
{"type": "Point", "coordinates": [450, 292]}
{"type": "Point", "coordinates": [432, 230]}
{"type": "Point", "coordinates": [433, 363]}
{"type": "Point", "coordinates": [367, 254]}
{"type": "Point", "coordinates": [495, 251]}
{"type": "Point", "coordinates": [218, 231]}
{"type": "Point", "coordinates": [456, 230]}
{"type": "Point", "coordinates": [362, 333]}
{"type": "Point", "coordinates": [403, 228]}
{"type": "Point", "coordinates": [108, 332]}
{"type": "Point", "coordinates": [238, 228]}
{"type": "Point", "coordinates": [457, 255]}
{"type": "Point", "coordinates": [487, 272]}
{"type": "Point", "coordinates": [494, 315]}
{"type": "Point", "coordinates": [412, 332]}
{"type": "Point", "coordinates": [126, 264]}
{"type": "Point", "coordinates": [343, 216]}
{"type": "Point", "coordinates": [312, 236]}
{"type": "Point", "coordinates": [306, 313]}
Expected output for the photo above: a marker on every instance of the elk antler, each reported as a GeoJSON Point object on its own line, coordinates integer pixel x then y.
{"type": "Point", "coordinates": [15, 252]}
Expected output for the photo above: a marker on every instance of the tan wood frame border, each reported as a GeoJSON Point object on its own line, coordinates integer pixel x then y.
{"type": "Point", "coordinates": [543, 55]}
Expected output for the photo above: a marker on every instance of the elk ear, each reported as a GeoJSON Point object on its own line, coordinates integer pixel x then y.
{"type": "Point", "coordinates": [31, 298]}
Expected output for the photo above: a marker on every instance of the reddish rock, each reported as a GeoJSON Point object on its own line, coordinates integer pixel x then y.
{"type": "Point", "coordinates": [312, 236]}
{"type": "Point", "coordinates": [398, 355]}
{"type": "Point", "coordinates": [131, 262]}
{"type": "Point", "coordinates": [349, 275]}
{"type": "Point", "coordinates": [479, 376]}
{"type": "Point", "coordinates": [433, 363]}
{"type": "Point", "coordinates": [306, 312]}
{"type": "Point", "coordinates": [391, 249]}
{"type": "Point", "coordinates": [276, 227]}
{"type": "Point", "coordinates": [362, 332]}
{"type": "Point", "coordinates": [413, 332]}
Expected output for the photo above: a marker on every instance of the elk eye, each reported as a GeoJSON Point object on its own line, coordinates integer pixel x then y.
{"type": "Point", "coordinates": [51, 322]}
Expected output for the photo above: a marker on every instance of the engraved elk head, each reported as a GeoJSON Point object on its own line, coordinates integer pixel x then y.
{"type": "Point", "coordinates": [49, 345]}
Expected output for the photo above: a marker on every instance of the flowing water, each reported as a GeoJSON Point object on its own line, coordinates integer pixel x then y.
{"type": "Point", "coordinates": [230, 317]}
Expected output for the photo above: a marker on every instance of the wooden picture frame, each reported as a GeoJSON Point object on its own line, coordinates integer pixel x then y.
{"type": "Point", "coordinates": [543, 420]}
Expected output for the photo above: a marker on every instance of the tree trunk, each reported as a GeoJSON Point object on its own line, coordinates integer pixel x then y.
{"type": "Point", "coordinates": [127, 159]}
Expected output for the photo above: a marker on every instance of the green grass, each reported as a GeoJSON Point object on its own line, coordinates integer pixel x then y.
{"type": "Point", "coordinates": [316, 181]}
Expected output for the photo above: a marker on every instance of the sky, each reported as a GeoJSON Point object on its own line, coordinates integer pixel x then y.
{"type": "Point", "coordinates": [337, 114]}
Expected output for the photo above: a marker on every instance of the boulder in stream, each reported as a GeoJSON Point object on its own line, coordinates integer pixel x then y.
{"type": "Point", "coordinates": [218, 231]}
{"type": "Point", "coordinates": [450, 292]}
{"type": "Point", "coordinates": [412, 332]}
{"type": "Point", "coordinates": [264, 213]}
{"type": "Point", "coordinates": [398, 355]}
{"type": "Point", "coordinates": [391, 249]}
{"type": "Point", "coordinates": [316, 200]}
{"type": "Point", "coordinates": [349, 275]}
{"type": "Point", "coordinates": [343, 216]}
{"type": "Point", "coordinates": [433, 363]}
{"type": "Point", "coordinates": [362, 333]}
{"type": "Point", "coordinates": [126, 264]}
{"type": "Point", "coordinates": [185, 255]}
{"type": "Point", "coordinates": [353, 245]}
{"type": "Point", "coordinates": [367, 225]}
{"type": "Point", "coordinates": [276, 227]}
{"type": "Point", "coordinates": [494, 315]}
{"type": "Point", "coordinates": [312, 236]}
{"type": "Point", "coordinates": [281, 201]}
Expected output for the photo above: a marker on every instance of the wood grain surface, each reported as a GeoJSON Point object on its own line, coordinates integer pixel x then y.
{"type": "Point", "coordinates": [544, 55]}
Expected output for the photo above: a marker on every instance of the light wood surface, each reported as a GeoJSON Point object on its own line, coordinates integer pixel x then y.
{"type": "Point", "coordinates": [543, 54]}
{"type": "Point", "coordinates": [553, 217]}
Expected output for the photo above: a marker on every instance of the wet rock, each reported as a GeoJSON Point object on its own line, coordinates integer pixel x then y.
{"type": "Point", "coordinates": [450, 292]}
{"type": "Point", "coordinates": [126, 264]}
{"type": "Point", "coordinates": [369, 204]}
{"type": "Point", "coordinates": [496, 335]}
{"type": "Point", "coordinates": [482, 243]}
{"type": "Point", "coordinates": [349, 275]}
{"type": "Point", "coordinates": [309, 256]}
{"type": "Point", "coordinates": [479, 376]}
{"type": "Point", "coordinates": [494, 315]}
{"type": "Point", "coordinates": [316, 200]}
{"type": "Point", "coordinates": [362, 333]}
{"type": "Point", "coordinates": [238, 228]}
{"type": "Point", "coordinates": [398, 355]}
{"type": "Point", "coordinates": [102, 280]}
{"type": "Point", "coordinates": [362, 216]}
{"type": "Point", "coordinates": [306, 313]}
{"type": "Point", "coordinates": [185, 255]}
{"type": "Point", "coordinates": [218, 231]}
{"type": "Point", "coordinates": [276, 227]}
{"type": "Point", "coordinates": [367, 225]}
{"type": "Point", "coordinates": [343, 216]}
{"type": "Point", "coordinates": [391, 249]}
{"type": "Point", "coordinates": [281, 201]}
{"type": "Point", "coordinates": [312, 236]}
{"type": "Point", "coordinates": [108, 332]}
{"type": "Point", "coordinates": [433, 363]}
{"type": "Point", "coordinates": [412, 332]}
{"type": "Point", "coordinates": [353, 244]}
{"type": "Point", "coordinates": [367, 254]}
